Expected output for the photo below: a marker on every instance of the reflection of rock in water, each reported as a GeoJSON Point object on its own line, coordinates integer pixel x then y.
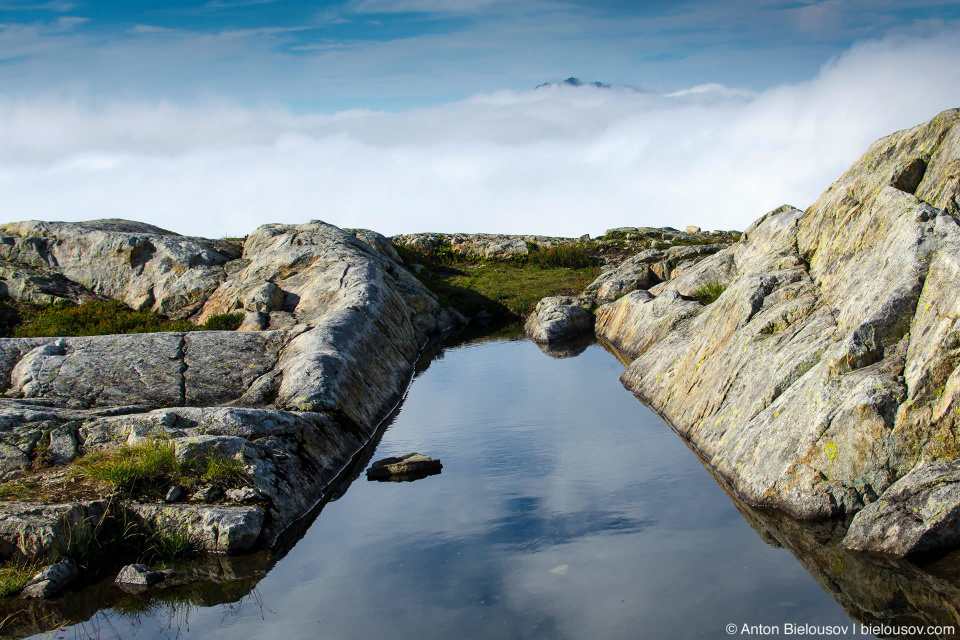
{"type": "Point", "coordinates": [567, 348]}
{"type": "Point", "coordinates": [872, 589]}
{"type": "Point", "coordinates": [623, 358]}
{"type": "Point", "coordinates": [206, 581]}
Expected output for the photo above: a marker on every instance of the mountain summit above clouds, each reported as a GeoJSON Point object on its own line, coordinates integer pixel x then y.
{"type": "Point", "coordinates": [574, 82]}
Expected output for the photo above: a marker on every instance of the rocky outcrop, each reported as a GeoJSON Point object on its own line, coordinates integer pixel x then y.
{"type": "Point", "coordinates": [562, 318]}
{"type": "Point", "coordinates": [558, 318]}
{"type": "Point", "coordinates": [825, 371]}
{"type": "Point", "coordinates": [920, 512]}
{"type": "Point", "coordinates": [480, 245]}
{"type": "Point", "coordinates": [336, 324]}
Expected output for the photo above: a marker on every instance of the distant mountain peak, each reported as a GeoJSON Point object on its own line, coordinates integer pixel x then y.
{"type": "Point", "coordinates": [573, 81]}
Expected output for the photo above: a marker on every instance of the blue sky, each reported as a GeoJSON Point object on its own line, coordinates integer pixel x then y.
{"type": "Point", "coordinates": [395, 54]}
{"type": "Point", "coordinates": [212, 117]}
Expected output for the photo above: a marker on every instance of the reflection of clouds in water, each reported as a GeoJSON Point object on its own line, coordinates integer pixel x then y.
{"type": "Point", "coordinates": [547, 464]}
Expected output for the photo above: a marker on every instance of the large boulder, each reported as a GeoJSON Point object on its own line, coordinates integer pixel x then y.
{"type": "Point", "coordinates": [822, 370]}
{"type": "Point", "coordinates": [556, 319]}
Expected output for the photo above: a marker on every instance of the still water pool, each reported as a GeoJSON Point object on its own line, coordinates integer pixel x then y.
{"type": "Point", "coordinates": [565, 509]}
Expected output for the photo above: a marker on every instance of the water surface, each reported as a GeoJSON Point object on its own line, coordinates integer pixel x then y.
{"type": "Point", "coordinates": [565, 509]}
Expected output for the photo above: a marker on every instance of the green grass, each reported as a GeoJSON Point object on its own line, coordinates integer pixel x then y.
{"type": "Point", "coordinates": [506, 289]}
{"type": "Point", "coordinates": [562, 256]}
{"type": "Point", "coordinates": [148, 468]}
{"type": "Point", "coordinates": [14, 576]}
{"type": "Point", "coordinates": [709, 292]}
{"type": "Point", "coordinates": [99, 317]}
{"type": "Point", "coordinates": [222, 469]}
{"type": "Point", "coordinates": [147, 463]}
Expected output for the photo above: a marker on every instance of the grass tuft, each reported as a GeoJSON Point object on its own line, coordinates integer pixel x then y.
{"type": "Point", "coordinates": [121, 537]}
{"type": "Point", "coordinates": [14, 576]}
{"type": "Point", "coordinates": [148, 462]}
{"type": "Point", "coordinates": [709, 292]}
{"type": "Point", "coordinates": [223, 322]}
{"type": "Point", "coordinates": [223, 469]}
{"type": "Point", "coordinates": [566, 256]}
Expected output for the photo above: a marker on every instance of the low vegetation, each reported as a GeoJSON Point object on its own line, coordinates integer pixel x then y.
{"type": "Point", "coordinates": [120, 537]}
{"type": "Point", "coordinates": [503, 289]}
{"type": "Point", "coordinates": [709, 292]}
{"type": "Point", "coordinates": [97, 317]}
{"type": "Point", "coordinates": [148, 468]}
{"type": "Point", "coordinates": [139, 466]}
{"type": "Point", "coordinates": [564, 256]}
{"type": "Point", "coordinates": [14, 576]}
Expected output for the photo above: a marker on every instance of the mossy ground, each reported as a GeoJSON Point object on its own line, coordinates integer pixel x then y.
{"type": "Point", "coordinates": [95, 318]}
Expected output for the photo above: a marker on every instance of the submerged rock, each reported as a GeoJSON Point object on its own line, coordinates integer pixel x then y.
{"type": "Point", "coordinates": [410, 466]}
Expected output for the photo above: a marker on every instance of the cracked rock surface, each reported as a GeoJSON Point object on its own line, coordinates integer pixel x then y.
{"type": "Point", "coordinates": [335, 323]}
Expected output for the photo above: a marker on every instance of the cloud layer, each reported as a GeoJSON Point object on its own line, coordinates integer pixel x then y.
{"type": "Point", "coordinates": [556, 160]}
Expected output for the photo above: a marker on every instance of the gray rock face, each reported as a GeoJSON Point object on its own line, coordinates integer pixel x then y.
{"type": "Point", "coordinates": [142, 265]}
{"type": "Point", "coordinates": [38, 531]}
{"type": "Point", "coordinates": [52, 581]}
{"type": "Point", "coordinates": [291, 405]}
{"type": "Point", "coordinates": [920, 512]}
{"type": "Point", "coordinates": [826, 369]}
{"type": "Point", "coordinates": [556, 319]}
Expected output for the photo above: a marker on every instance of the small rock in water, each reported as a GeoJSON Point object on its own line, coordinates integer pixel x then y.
{"type": "Point", "coordinates": [173, 494]}
{"type": "Point", "coordinates": [51, 581]}
{"type": "Point", "coordinates": [412, 466]}
{"type": "Point", "coordinates": [138, 574]}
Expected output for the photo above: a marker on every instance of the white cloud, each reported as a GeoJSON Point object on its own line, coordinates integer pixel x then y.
{"type": "Point", "coordinates": [557, 160]}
